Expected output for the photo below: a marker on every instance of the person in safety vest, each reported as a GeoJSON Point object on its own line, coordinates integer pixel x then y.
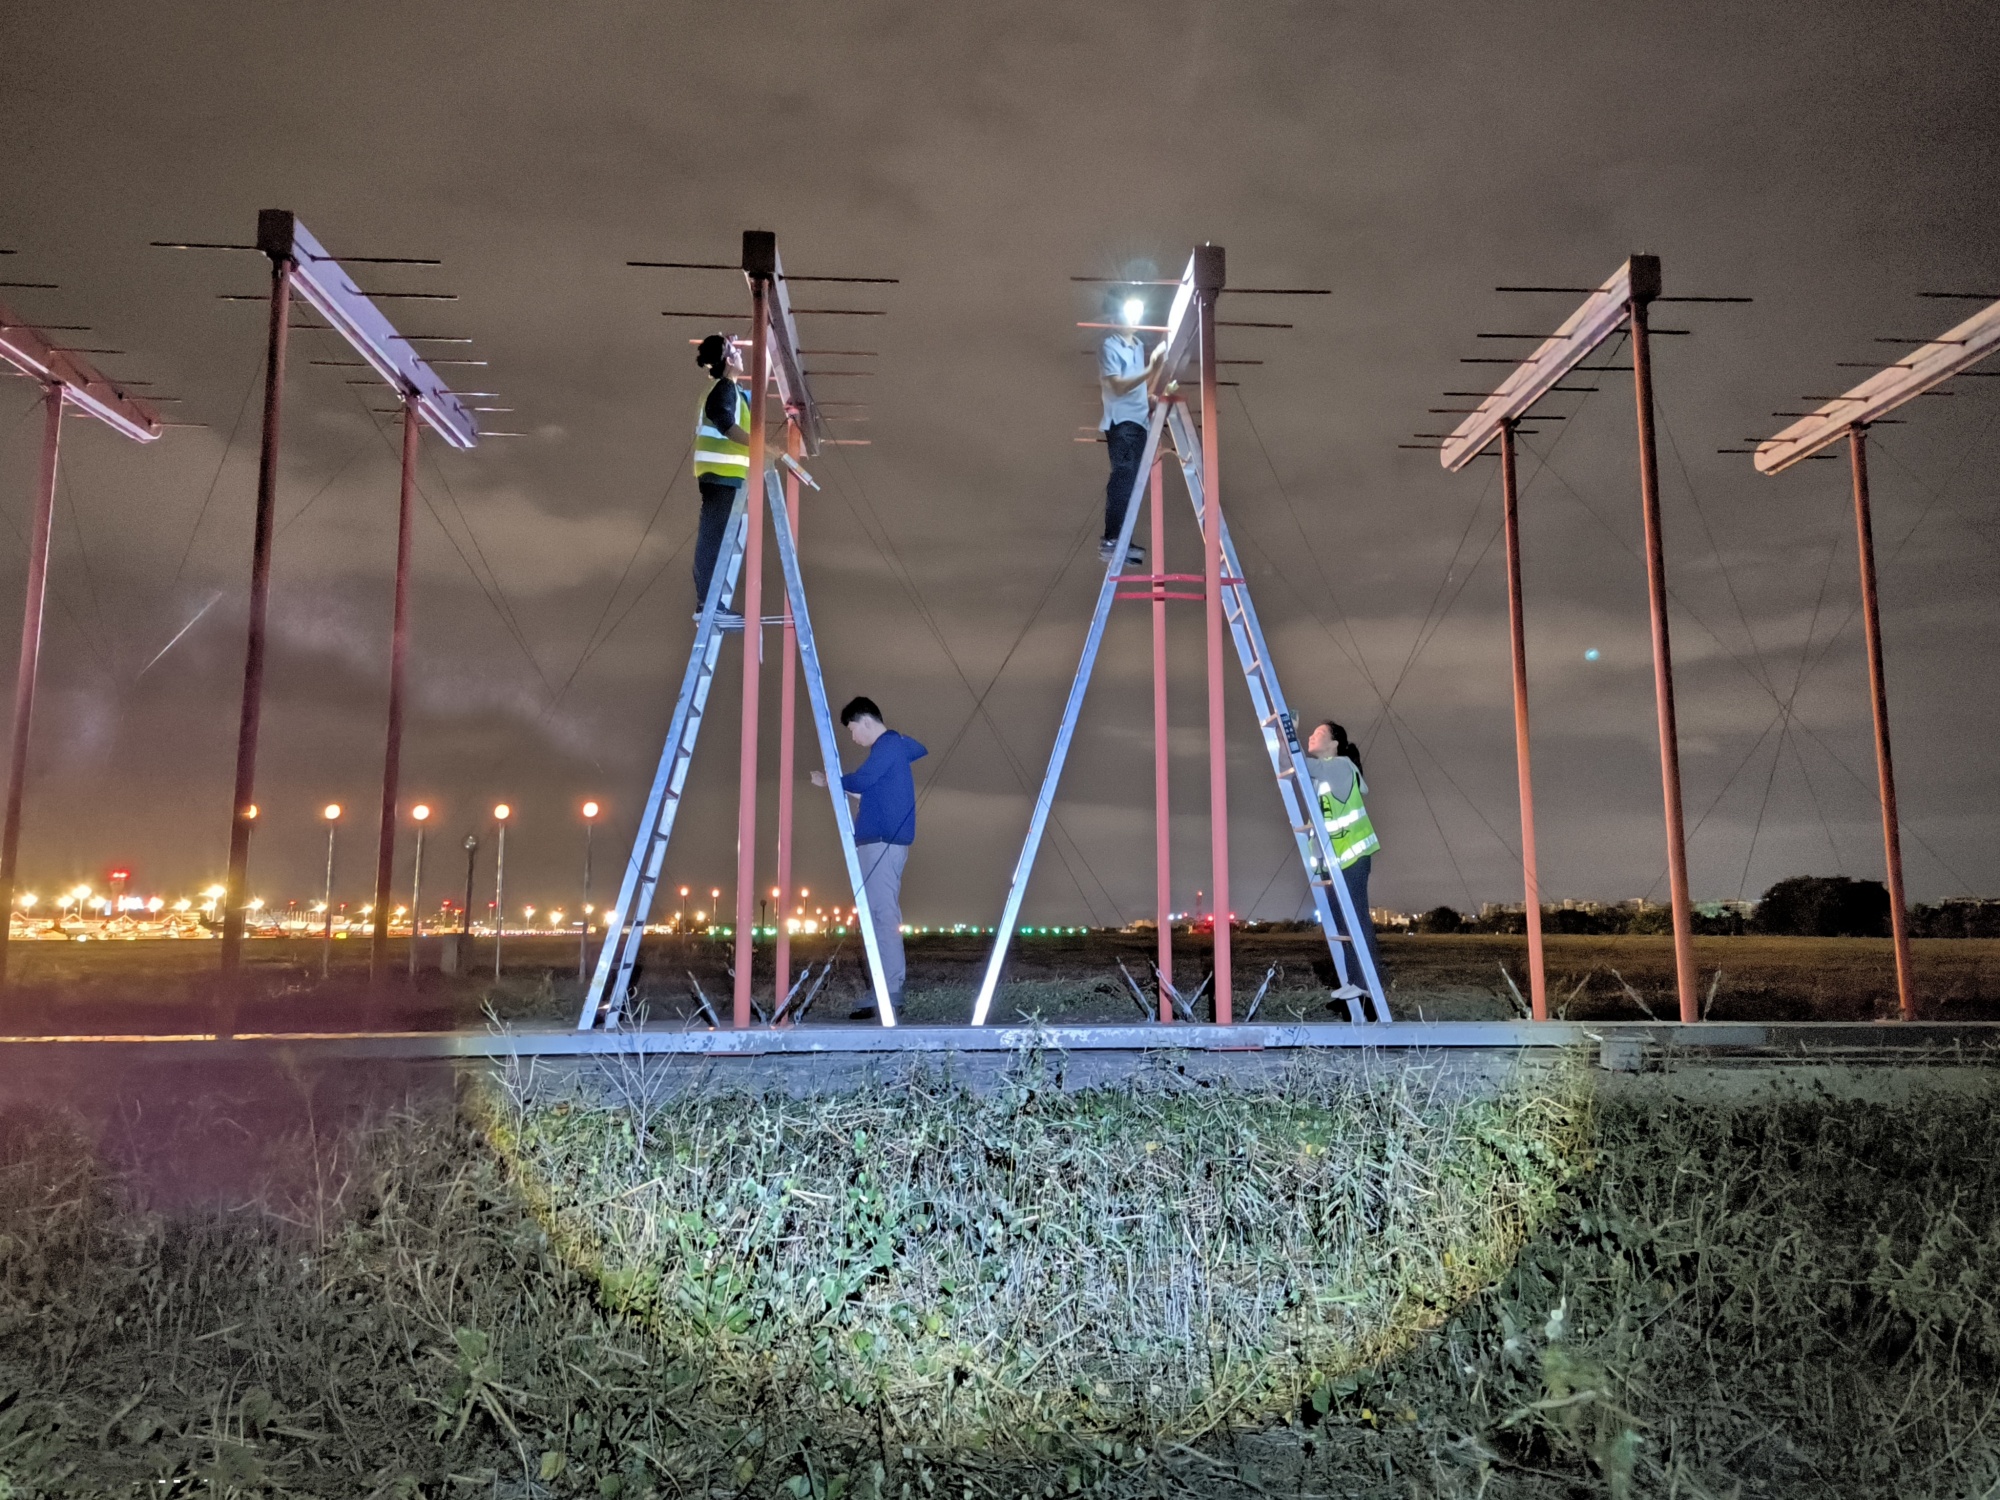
{"type": "Point", "coordinates": [885, 826]}
{"type": "Point", "coordinates": [1123, 369]}
{"type": "Point", "coordinates": [1333, 762]}
{"type": "Point", "coordinates": [721, 461]}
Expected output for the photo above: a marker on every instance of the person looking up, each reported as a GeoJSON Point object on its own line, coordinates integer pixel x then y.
{"type": "Point", "coordinates": [884, 828]}
{"type": "Point", "coordinates": [1123, 370]}
{"type": "Point", "coordinates": [1333, 764]}
{"type": "Point", "coordinates": [721, 462]}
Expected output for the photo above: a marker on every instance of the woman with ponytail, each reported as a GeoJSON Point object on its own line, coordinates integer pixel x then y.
{"type": "Point", "coordinates": [1333, 763]}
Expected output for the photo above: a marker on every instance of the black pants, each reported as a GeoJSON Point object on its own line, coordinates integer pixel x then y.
{"type": "Point", "coordinates": [1127, 442]}
{"type": "Point", "coordinates": [718, 499]}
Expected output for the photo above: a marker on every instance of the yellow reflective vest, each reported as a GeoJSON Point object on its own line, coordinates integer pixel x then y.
{"type": "Point", "coordinates": [1347, 823]}
{"type": "Point", "coordinates": [715, 456]}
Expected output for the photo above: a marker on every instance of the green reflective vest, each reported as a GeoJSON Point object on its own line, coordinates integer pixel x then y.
{"type": "Point", "coordinates": [1347, 823]}
{"type": "Point", "coordinates": [715, 456]}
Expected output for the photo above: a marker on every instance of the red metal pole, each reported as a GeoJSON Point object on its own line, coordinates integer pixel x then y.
{"type": "Point", "coordinates": [788, 693]}
{"type": "Point", "coordinates": [1538, 993]}
{"type": "Point", "coordinates": [753, 647]}
{"type": "Point", "coordinates": [1163, 840]}
{"type": "Point", "coordinates": [392, 752]}
{"type": "Point", "coordinates": [1878, 692]}
{"type": "Point", "coordinates": [237, 884]}
{"type": "Point", "coordinates": [31, 655]}
{"type": "Point", "coordinates": [1663, 665]}
{"type": "Point", "coordinates": [1218, 746]}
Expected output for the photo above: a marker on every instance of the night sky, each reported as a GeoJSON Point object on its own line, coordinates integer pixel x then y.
{"type": "Point", "coordinates": [1829, 160]}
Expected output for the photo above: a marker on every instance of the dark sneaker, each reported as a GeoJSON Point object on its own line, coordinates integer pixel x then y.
{"type": "Point", "coordinates": [1135, 557]}
{"type": "Point", "coordinates": [725, 619]}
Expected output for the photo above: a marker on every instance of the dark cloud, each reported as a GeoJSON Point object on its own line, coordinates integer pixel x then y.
{"type": "Point", "coordinates": [1829, 160]}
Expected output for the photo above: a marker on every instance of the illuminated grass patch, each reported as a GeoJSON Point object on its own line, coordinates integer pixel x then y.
{"type": "Point", "coordinates": [1155, 1260]}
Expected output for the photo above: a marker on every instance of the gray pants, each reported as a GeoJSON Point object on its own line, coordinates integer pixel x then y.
{"type": "Point", "coordinates": [882, 878]}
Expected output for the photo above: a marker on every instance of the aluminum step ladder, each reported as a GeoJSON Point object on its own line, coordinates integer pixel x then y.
{"type": "Point", "coordinates": [1280, 737]}
{"type": "Point", "coordinates": [1281, 742]}
{"type": "Point", "coordinates": [625, 924]}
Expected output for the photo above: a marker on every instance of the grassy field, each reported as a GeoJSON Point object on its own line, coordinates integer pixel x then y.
{"type": "Point", "coordinates": [66, 988]}
{"type": "Point", "coordinates": [1790, 1297]}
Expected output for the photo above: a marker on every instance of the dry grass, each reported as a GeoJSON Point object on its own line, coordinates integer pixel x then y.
{"type": "Point", "coordinates": [71, 988]}
{"type": "Point", "coordinates": [1791, 1299]}
{"type": "Point", "coordinates": [990, 1269]}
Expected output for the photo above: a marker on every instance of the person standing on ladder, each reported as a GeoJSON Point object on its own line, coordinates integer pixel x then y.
{"type": "Point", "coordinates": [1334, 764]}
{"type": "Point", "coordinates": [721, 462]}
{"type": "Point", "coordinates": [1124, 370]}
{"type": "Point", "coordinates": [884, 828]}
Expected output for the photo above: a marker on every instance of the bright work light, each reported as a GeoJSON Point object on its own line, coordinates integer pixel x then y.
{"type": "Point", "coordinates": [1135, 309]}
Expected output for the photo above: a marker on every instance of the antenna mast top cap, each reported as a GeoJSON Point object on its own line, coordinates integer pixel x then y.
{"type": "Point", "coordinates": [760, 252]}
{"type": "Point", "coordinates": [274, 232]}
{"type": "Point", "coordinates": [1208, 268]}
{"type": "Point", "coordinates": [1644, 271]}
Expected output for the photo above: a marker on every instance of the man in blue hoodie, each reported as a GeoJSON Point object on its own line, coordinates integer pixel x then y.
{"type": "Point", "coordinates": [884, 828]}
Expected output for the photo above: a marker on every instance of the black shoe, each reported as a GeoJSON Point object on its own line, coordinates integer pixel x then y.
{"type": "Point", "coordinates": [725, 619]}
{"type": "Point", "coordinates": [1135, 557]}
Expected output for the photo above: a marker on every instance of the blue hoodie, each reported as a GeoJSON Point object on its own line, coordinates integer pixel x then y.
{"type": "Point", "coordinates": [888, 812]}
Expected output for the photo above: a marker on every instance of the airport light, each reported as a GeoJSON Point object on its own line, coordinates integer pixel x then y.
{"type": "Point", "coordinates": [590, 812]}
{"type": "Point", "coordinates": [331, 812]}
{"type": "Point", "coordinates": [501, 813]}
{"type": "Point", "coordinates": [420, 814]}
